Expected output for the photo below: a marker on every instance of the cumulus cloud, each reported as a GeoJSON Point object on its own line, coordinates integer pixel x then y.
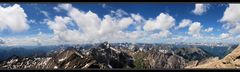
{"type": "Point", "coordinates": [195, 29]}
{"type": "Point", "coordinates": [200, 8]}
{"type": "Point", "coordinates": [231, 19]}
{"type": "Point", "coordinates": [59, 24]}
{"type": "Point", "coordinates": [161, 34]}
{"type": "Point", "coordinates": [61, 32]}
{"type": "Point", "coordinates": [162, 22]}
{"type": "Point", "coordinates": [184, 23]}
{"type": "Point", "coordinates": [138, 22]}
{"type": "Point", "coordinates": [13, 18]}
{"type": "Point", "coordinates": [125, 22]}
{"type": "Point", "coordinates": [91, 28]}
{"type": "Point", "coordinates": [111, 25]}
{"type": "Point", "coordinates": [210, 29]}
{"type": "Point", "coordinates": [137, 17]}
{"type": "Point", "coordinates": [225, 35]}
{"type": "Point", "coordinates": [89, 22]}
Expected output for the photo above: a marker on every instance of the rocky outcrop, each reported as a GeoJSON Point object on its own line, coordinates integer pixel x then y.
{"type": "Point", "coordinates": [232, 60]}
{"type": "Point", "coordinates": [195, 63]}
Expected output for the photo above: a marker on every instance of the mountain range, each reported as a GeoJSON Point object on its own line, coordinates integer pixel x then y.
{"type": "Point", "coordinates": [120, 56]}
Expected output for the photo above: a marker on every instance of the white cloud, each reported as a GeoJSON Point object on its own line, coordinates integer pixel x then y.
{"type": "Point", "coordinates": [195, 29]}
{"type": "Point", "coordinates": [119, 13]}
{"type": "Point", "coordinates": [61, 32]}
{"type": "Point", "coordinates": [180, 38]}
{"type": "Point", "coordinates": [231, 13]}
{"type": "Point", "coordinates": [138, 22]}
{"type": "Point", "coordinates": [231, 19]}
{"type": "Point", "coordinates": [32, 21]}
{"type": "Point", "coordinates": [13, 18]}
{"type": "Point", "coordinates": [59, 24]}
{"type": "Point", "coordinates": [210, 29]}
{"type": "Point", "coordinates": [107, 25]}
{"type": "Point", "coordinates": [137, 17]}
{"type": "Point", "coordinates": [88, 22]}
{"type": "Point", "coordinates": [13, 41]}
{"type": "Point", "coordinates": [200, 8]}
{"type": "Point", "coordinates": [65, 6]}
{"type": "Point", "coordinates": [184, 23]}
{"type": "Point", "coordinates": [162, 22]}
{"type": "Point", "coordinates": [125, 22]}
{"type": "Point", "coordinates": [75, 36]}
{"type": "Point", "coordinates": [111, 25]}
{"type": "Point", "coordinates": [45, 14]}
{"type": "Point", "coordinates": [39, 39]}
{"type": "Point", "coordinates": [104, 5]}
{"type": "Point", "coordinates": [225, 35]}
{"type": "Point", "coordinates": [56, 9]}
{"type": "Point", "coordinates": [161, 34]}
{"type": "Point", "coordinates": [91, 27]}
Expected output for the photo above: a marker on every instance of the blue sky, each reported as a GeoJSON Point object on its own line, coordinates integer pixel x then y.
{"type": "Point", "coordinates": [39, 14]}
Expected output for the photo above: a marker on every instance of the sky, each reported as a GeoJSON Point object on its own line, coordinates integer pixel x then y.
{"type": "Point", "coordinates": [79, 23]}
